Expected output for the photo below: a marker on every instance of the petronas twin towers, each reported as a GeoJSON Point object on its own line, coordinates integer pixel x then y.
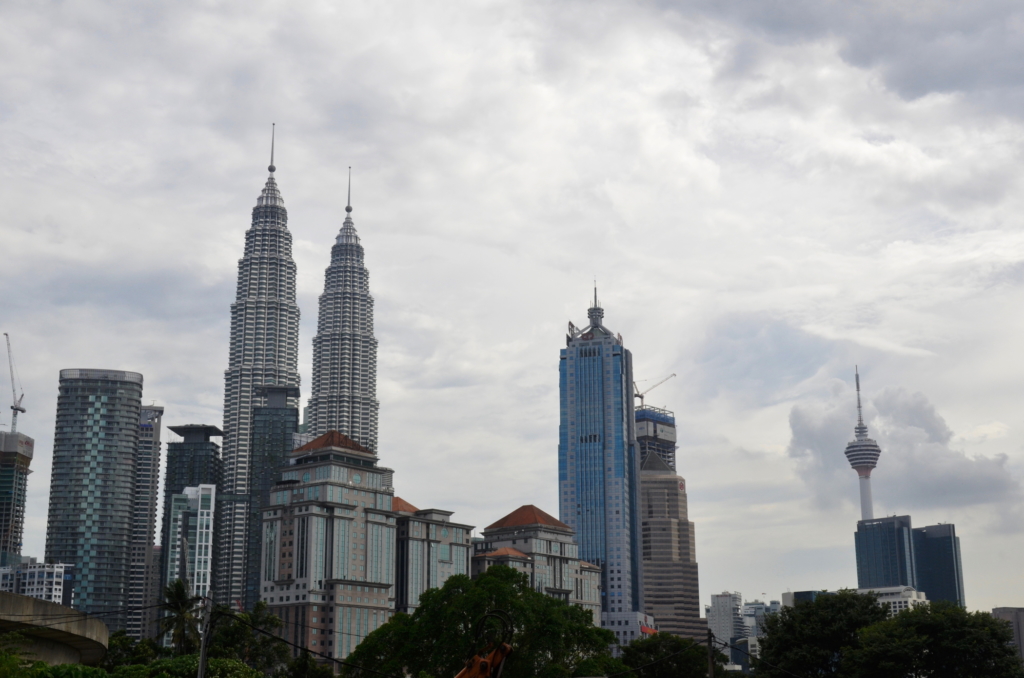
{"type": "Point", "coordinates": [264, 351]}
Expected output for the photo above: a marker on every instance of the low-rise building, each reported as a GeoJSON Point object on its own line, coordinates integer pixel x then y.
{"type": "Point", "coordinates": [899, 597]}
{"type": "Point", "coordinates": [430, 549]}
{"type": "Point", "coordinates": [542, 547]}
{"type": "Point", "coordinates": [52, 582]}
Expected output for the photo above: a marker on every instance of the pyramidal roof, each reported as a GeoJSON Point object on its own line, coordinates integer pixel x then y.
{"type": "Point", "coordinates": [506, 551]}
{"type": "Point", "coordinates": [528, 515]}
{"type": "Point", "coordinates": [332, 439]}
{"type": "Point", "coordinates": [402, 506]}
{"type": "Point", "coordinates": [655, 464]}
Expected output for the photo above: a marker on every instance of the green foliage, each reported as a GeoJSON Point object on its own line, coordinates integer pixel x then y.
{"type": "Point", "coordinates": [939, 640]}
{"type": "Point", "coordinates": [186, 666]}
{"type": "Point", "coordinates": [305, 666]}
{"type": "Point", "coordinates": [67, 671]}
{"type": "Point", "coordinates": [551, 638]}
{"type": "Point", "coordinates": [182, 620]}
{"type": "Point", "coordinates": [14, 661]}
{"type": "Point", "coordinates": [680, 657]}
{"type": "Point", "coordinates": [810, 639]}
{"type": "Point", "coordinates": [234, 638]}
{"type": "Point", "coordinates": [123, 650]}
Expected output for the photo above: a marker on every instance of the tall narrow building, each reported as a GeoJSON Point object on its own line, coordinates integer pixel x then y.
{"type": "Point", "coordinates": [16, 450]}
{"type": "Point", "coordinates": [92, 486]}
{"type": "Point", "coordinates": [343, 394]}
{"type": "Point", "coordinates": [264, 351]}
{"type": "Point", "coordinates": [671, 588]}
{"type": "Point", "coordinates": [147, 486]}
{"type": "Point", "coordinates": [598, 468]}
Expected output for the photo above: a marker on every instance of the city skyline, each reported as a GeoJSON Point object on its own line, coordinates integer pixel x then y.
{"type": "Point", "coordinates": [766, 201]}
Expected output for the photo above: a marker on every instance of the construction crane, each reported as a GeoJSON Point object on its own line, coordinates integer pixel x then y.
{"type": "Point", "coordinates": [16, 407]}
{"type": "Point", "coordinates": [640, 395]}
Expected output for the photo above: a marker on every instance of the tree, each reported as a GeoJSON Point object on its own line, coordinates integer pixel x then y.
{"type": "Point", "coordinates": [123, 650]}
{"type": "Point", "coordinates": [238, 636]}
{"type": "Point", "coordinates": [676, 657]}
{"type": "Point", "coordinates": [182, 620]}
{"type": "Point", "coordinates": [186, 666]}
{"type": "Point", "coordinates": [811, 638]}
{"type": "Point", "coordinates": [305, 666]}
{"type": "Point", "coordinates": [550, 637]}
{"type": "Point", "coordinates": [938, 640]}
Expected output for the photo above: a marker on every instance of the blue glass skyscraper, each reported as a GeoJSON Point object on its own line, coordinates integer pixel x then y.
{"type": "Point", "coordinates": [598, 469]}
{"type": "Point", "coordinates": [939, 571]}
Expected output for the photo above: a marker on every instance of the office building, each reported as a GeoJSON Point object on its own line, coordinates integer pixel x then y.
{"type": "Point", "coordinates": [343, 394]}
{"type": "Point", "coordinates": [190, 554]}
{"type": "Point", "coordinates": [264, 350]}
{"type": "Point", "coordinates": [193, 461]}
{"type": "Point", "coordinates": [863, 453]}
{"type": "Point", "coordinates": [598, 468]}
{"type": "Point", "coordinates": [274, 428]}
{"type": "Point", "coordinates": [52, 582]}
{"type": "Point", "coordinates": [16, 450]}
{"type": "Point", "coordinates": [899, 598]}
{"type": "Point", "coordinates": [885, 553]}
{"type": "Point", "coordinates": [791, 598]}
{"type": "Point", "coordinates": [754, 613]}
{"type": "Point", "coordinates": [430, 549]}
{"type": "Point", "coordinates": [537, 544]}
{"type": "Point", "coordinates": [939, 570]}
{"type": "Point", "coordinates": [1015, 617]}
{"type": "Point", "coordinates": [725, 616]}
{"type": "Point", "coordinates": [671, 589]}
{"type": "Point", "coordinates": [147, 487]}
{"type": "Point", "coordinates": [328, 552]}
{"type": "Point", "coordinates": [92, 486]}
{"type": "Point", "coordinates": [656, 432]}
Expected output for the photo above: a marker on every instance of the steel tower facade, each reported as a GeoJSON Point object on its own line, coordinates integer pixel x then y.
{"type": "Point", "coordinates": [264, 350]}
{"type": "Point", "coordinates": [343, 395]}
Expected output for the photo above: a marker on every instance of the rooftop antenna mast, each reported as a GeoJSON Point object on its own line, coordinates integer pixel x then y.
{"type": "Point", "coordinates": [16, 407]}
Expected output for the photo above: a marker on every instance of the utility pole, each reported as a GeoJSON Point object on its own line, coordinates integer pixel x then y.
{"type": "Point", "coordinates": [711, 654]}
{"type": "Point", "coordinates": [204, 641]}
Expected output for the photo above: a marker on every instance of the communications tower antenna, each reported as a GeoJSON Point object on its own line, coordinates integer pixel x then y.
{"type": "Point", "coordinates": [16, 407]}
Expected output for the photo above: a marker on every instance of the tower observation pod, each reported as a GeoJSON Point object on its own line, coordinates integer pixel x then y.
{"type": "Point", "coordinates": [863, 453]}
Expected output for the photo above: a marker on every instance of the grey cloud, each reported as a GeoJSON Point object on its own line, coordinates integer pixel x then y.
{"type": "Point", "coordinates": [918, 468]}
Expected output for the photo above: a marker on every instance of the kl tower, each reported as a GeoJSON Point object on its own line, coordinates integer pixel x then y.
{"type": "Point", "coordinates": [863, 453]}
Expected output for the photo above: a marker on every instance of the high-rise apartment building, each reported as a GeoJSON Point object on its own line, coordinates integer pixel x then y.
{"type": "Point", "coordinates": [1015, 617]}
{"type": "Point", "coordinates": [154, 593]}
{"type": "Point", "coordinates": [16, 450]}
{"type": "Point", "coordinates": [92, 486]}
{"type": "Point", "coordinates": [671, 588]}
{"type": "Point", "coordinates": [598, 468]}
{"type": "Point", "coordinates": [190, 553]}
{"type": "Point", "coordinates": [656, 432]}
{"type": "Point", "coordinates": [344, 389]}
{"type": "Point", "coordinates": [273, 430]}
{"type": "Point", "coordinates": [537, 544]}
{"type": "Point", "coordinates": [264, 351]}
{"type": "Point", "coordinates": [885, 553]}
{"type": "Point", "coordinates": [147, 487]}
{"type": "Point", "coordinates": [193, 461]}
{"type": "Point", "coordinates": [52, 582]}
{"type": "Point", "coordinates": [937, 556]}
{"type": "Point", "coordinates": [725, 616]}
{"type": "Point", "coordinates": [430, 549]}
{"type": "Point", "coordinates": [328, 552]}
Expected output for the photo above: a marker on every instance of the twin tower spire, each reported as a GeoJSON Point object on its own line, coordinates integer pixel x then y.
{"type": "Point", "coordinates": [264, 350]}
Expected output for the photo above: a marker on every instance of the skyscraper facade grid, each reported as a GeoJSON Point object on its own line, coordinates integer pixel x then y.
{"type": "Point", "coordinates": [939, 569]}
{"type": "Point", "coordinates": [92, 486]}
{"type": "Point", "coordinates": [598, 483]}
{"type": "Point", "coordinates": [343, 394]}
{"type": "Point", "coordinates": [147, 486]}
{"type": "Point", "coordinates": [16, 451]}
{"type": "Point", "coordinates": [264, 350]}
{"type": "Point", "coordinates": [885, 553]}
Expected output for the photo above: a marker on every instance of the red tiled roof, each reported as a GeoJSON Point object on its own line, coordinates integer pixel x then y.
{"type": "Point", "coordinates": [506, 551]}
{"type": "Point", "coordinates": [332, 439]}
{"type": "Point", "coordinates": [401, 505]}
{"type": "Point", "coordinates": [528, 515]}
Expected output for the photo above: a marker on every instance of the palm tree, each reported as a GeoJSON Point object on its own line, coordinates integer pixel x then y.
{"type": "Point", "coordinates": [182, 620]}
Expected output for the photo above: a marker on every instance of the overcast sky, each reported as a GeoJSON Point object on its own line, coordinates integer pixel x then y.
{"type": "Point", "coordinates": [767, 195]}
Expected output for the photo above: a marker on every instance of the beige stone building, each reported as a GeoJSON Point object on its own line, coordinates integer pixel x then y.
{"type": "Point", "coordinates": [671, 593]}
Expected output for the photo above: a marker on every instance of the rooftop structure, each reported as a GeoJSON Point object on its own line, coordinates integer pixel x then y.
{"type": "Point", "coordinates": [656, 433]}
{"type": "Point", "coordinates": [899, 598]}
{"type": "Point", "coordinates": [863, 453]}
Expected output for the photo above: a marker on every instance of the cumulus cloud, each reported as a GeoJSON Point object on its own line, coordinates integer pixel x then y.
{"type": "Point", "coordinates": [920, 467]}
